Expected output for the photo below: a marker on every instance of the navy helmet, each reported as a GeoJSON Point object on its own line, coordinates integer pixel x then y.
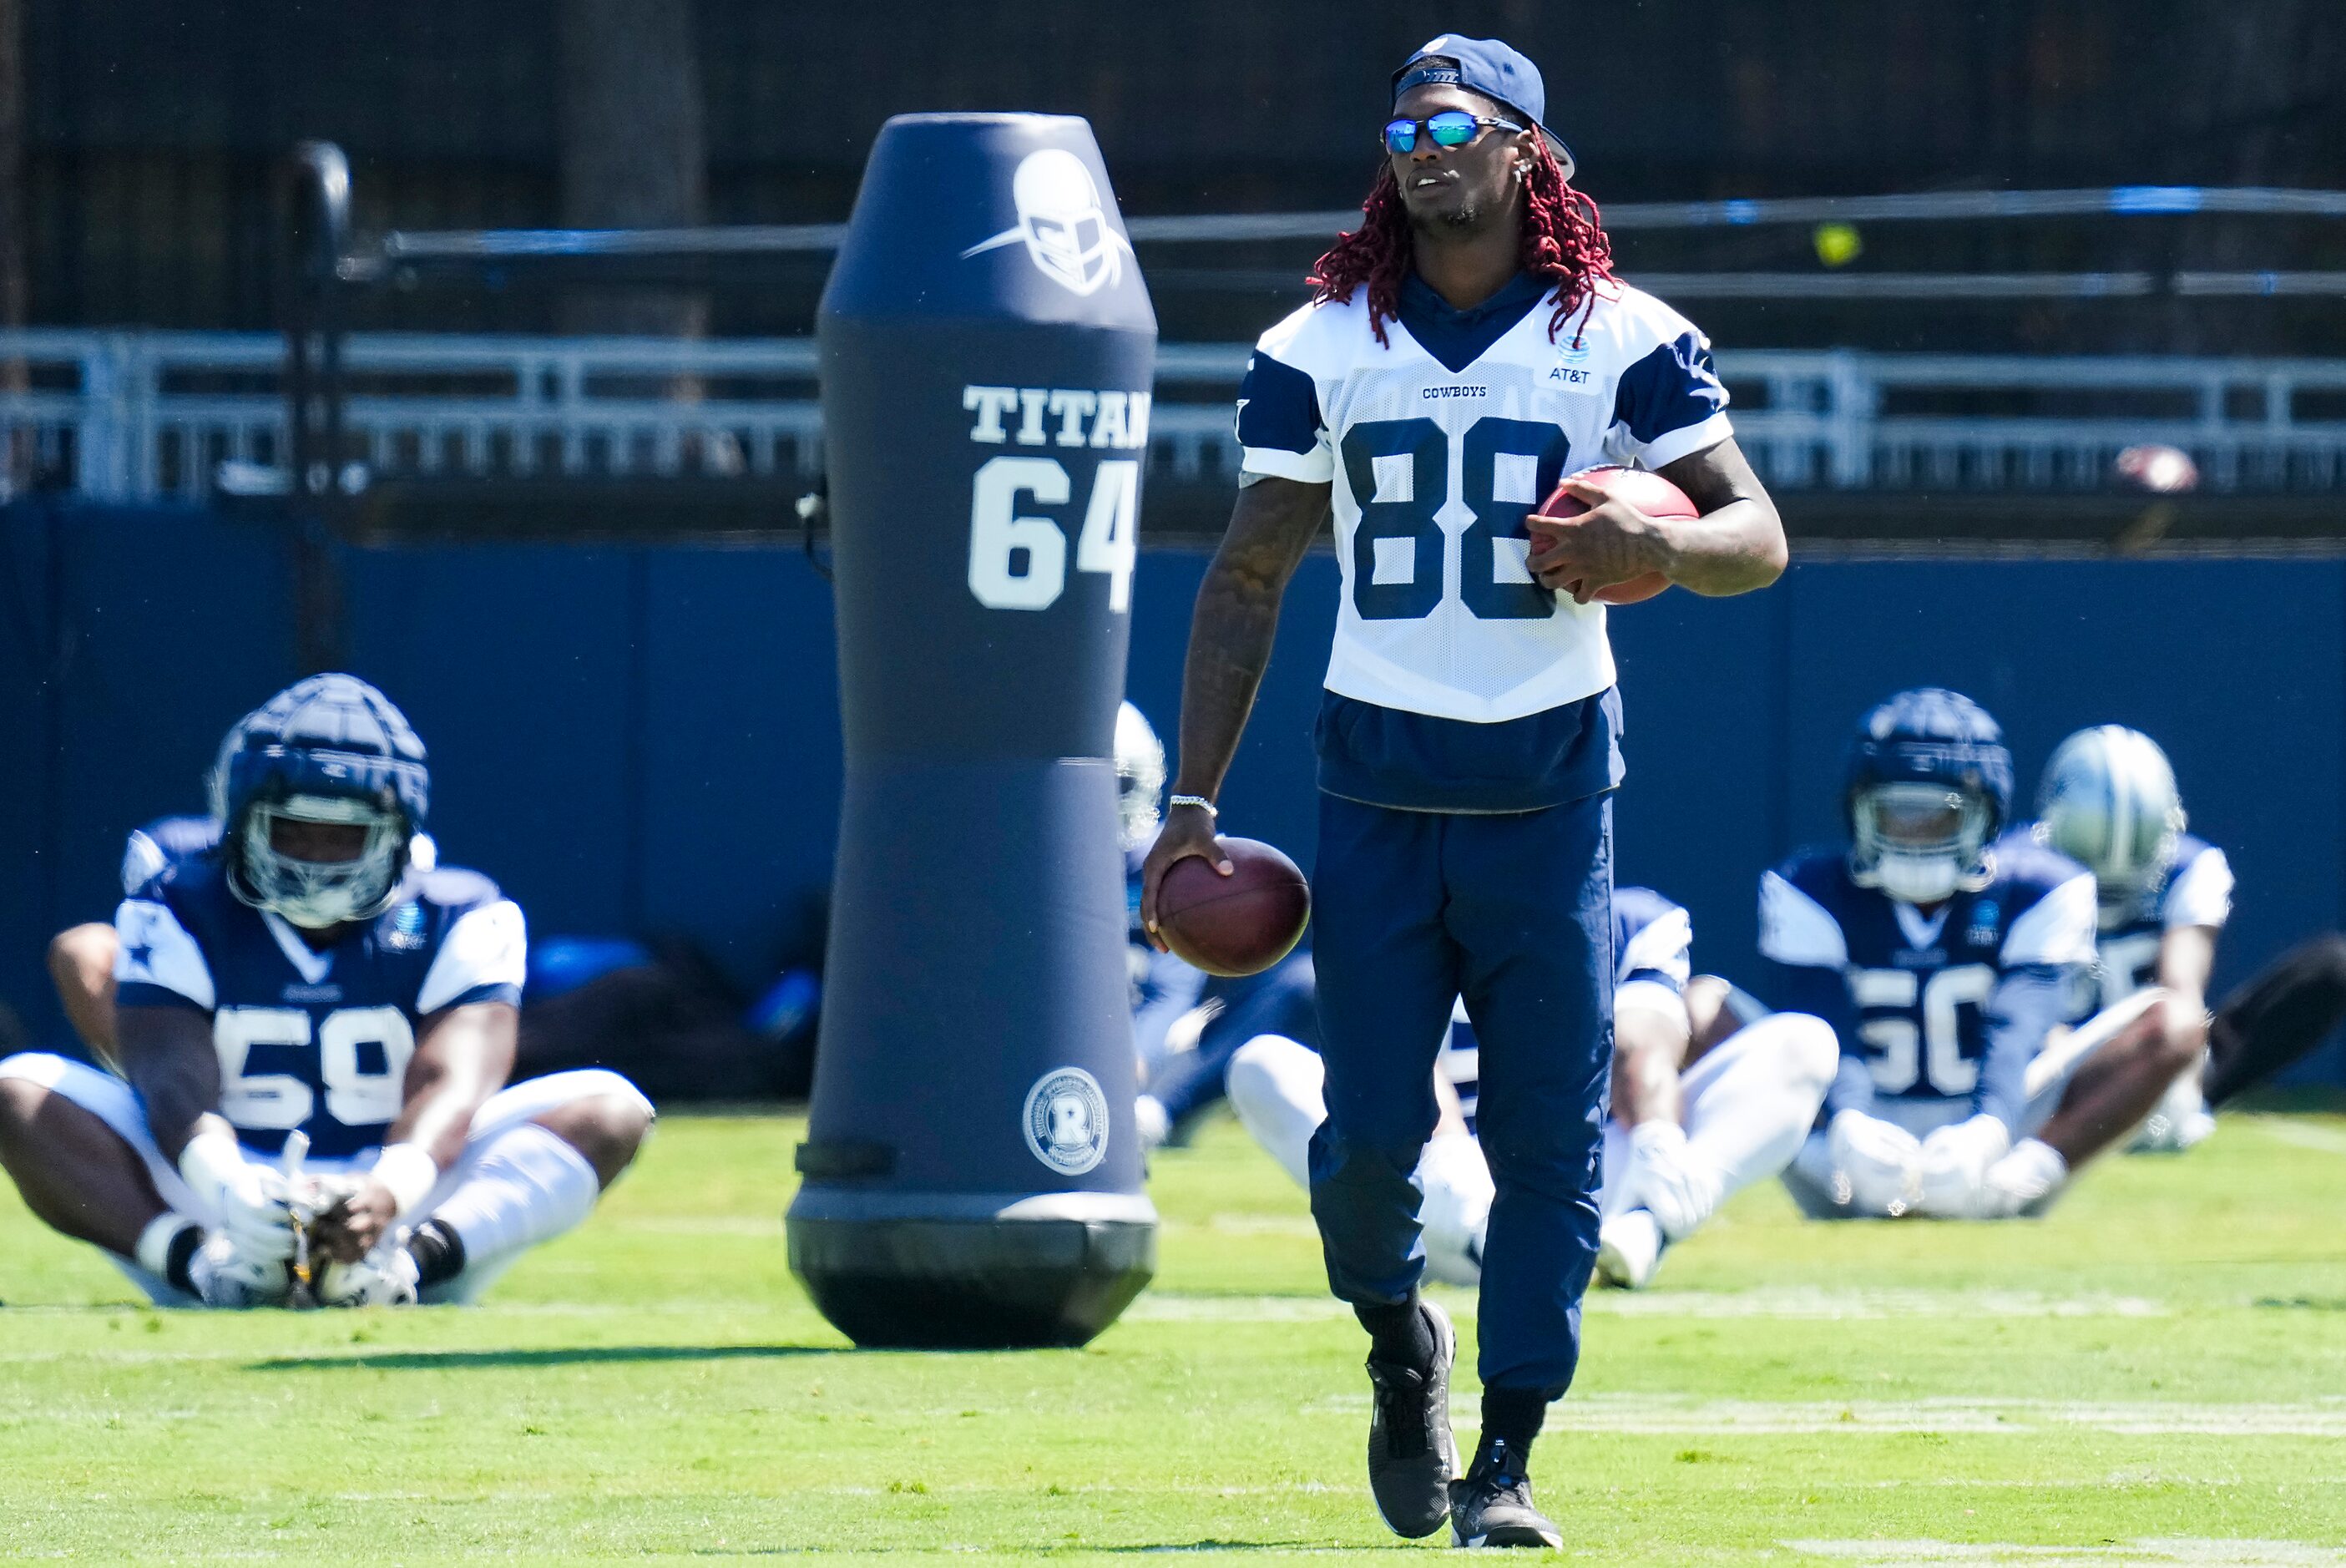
{"type": "Point", "coordinates": [1927, 789]}
{"type": "Point", "coordinates": [329, 749]}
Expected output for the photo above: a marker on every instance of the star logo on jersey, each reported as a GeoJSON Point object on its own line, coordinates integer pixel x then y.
{"type": "Point", "coordinates": [138, 952]}
{"type": "Point", "coordinates": [1061, 224]}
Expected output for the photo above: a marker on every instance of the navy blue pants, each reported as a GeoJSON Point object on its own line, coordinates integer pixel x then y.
{"type": "Point", "coordinates": [1278, 1001]}
{"type": "Point", "coordinates": [1412, 911]}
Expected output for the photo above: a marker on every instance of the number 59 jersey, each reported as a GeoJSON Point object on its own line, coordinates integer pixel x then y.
{"type": "Point", "coordinates": [1438, 439]}
{"type": "Point", "coordinates": [1949, 1005]}
{"type": "Point", "coordinates": [310, 1040]}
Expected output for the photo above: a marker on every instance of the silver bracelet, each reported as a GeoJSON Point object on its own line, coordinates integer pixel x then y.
{"type": "Point", "coordinates": [1199, 801]}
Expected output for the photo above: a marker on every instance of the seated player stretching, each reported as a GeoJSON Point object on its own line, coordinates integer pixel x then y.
{"type": "Point", "coordinates": [1186, 1022]}
{"type": "Point", "coordinates": [2108, 800]}
{"type": "Point", "coordinates": [305, 982]}
{"type": "Point", "coordinates": [1685, 1132]}
{"type": "Point", "coordinates": [1948, 964]}
{"type": "Point", "coordinates": [82, 957]}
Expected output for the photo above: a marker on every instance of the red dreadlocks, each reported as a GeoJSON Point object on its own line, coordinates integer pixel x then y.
{"type": "Point", "coordinates": [1561, 242]}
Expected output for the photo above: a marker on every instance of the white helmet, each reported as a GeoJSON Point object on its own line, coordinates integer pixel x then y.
{"type": "Point", "coordinates": [2108, 801]}
{"type": "Point", "coordinates": [1139, 777]}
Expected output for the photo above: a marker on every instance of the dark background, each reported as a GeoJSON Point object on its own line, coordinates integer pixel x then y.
{"type": "Point", "coordinates": [151, 130]}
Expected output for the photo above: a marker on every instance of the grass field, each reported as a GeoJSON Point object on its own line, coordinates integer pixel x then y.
{"type": "Point", "coordinates": [2156, 1374]}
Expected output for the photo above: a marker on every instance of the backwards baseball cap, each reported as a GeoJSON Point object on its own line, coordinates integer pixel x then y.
{"type": "Point", "coordinates": [1487, 66]}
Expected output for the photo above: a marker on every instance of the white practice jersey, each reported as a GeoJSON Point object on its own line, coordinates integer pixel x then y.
{"type": "Point", "coordinates": [2196, 890]}
{"type": "Point", "coordinates": [1438, 443]}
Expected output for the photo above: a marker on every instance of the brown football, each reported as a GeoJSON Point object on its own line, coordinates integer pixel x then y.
{"type": "Point", "coordinates": [1239, 924]}
{"type": "Point", "coordinates": [1647, 490]}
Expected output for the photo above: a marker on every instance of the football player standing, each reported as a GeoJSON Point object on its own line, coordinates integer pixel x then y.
{"type": "Point", "coordinates": [1465, 346]}
{"type": "Point", "coordinates": [306, 980]}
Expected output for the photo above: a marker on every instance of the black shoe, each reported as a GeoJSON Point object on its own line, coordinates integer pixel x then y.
{"type": "Point", "coordinates": [1493, 1507]}
{"type": "Point", "coordinates": [1411, 1455]}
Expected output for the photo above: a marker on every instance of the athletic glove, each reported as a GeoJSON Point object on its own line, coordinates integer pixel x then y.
{"type": "Point", "coordinates": [1879, 1161]}
{"type": "Point", "coordinates": [248, 1203]}
{"type": "Point", "coordinates": [1955, 1162]}
{"type": "Point", "coordinates": [1679, 1189]}
{"type": "Point", "coordinates": [2030, 1173]}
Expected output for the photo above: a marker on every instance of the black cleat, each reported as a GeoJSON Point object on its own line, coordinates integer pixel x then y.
{"type": "Point", "coordinates": [1493, 1507]}
{"type": "Point", "coordinates": [1411, 1455]}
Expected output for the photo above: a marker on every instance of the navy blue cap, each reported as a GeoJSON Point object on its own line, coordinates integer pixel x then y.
{"type": "Point", "coordinates": [1487, 66]}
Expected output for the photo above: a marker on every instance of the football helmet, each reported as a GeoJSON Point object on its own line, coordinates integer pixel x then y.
{"type": "Point", "coordinates": [2108, 801]}
{"type": "Point", "coordinates": [1928, 787]}
{"type": "Point", "coordinates": [329, 749]}
{"type": "Point", "coordinates": [1139, 777]}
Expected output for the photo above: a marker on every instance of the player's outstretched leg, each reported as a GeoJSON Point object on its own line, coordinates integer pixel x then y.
{"type": "Point", "coordinates": [1279, 1001]}
{"type": "Point", "coordinates": [75, 1141]}
{"type": "Point", "coordinates": [2284, 1012]}
{"type": "Point", "coordinates": [1749, 1103]}
{"type": "Point", "coordinates": [541, 1153]}
{"type": "Point", "coordinates": [2107, 1093]}
{"type": "Point", "coordinates": [1278, 1089]}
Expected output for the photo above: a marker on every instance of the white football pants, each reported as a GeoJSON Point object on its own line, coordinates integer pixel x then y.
{"type": "Point", "coordinates": [1747, 1106]}
{"type": "Point", "coordinates": [516, 1185]}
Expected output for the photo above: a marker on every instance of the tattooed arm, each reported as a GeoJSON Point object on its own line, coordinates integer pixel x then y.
{"type": "Point", "coordinates": [1229, 644]}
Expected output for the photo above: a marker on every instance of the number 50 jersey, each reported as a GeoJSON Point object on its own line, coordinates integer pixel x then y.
{"type": "Point", "coordinates": [317, 1041]}
{"type": "Point", "coordinates": [1950, 1005]}
{"type": "Point", "coordinates": [1438, 438]}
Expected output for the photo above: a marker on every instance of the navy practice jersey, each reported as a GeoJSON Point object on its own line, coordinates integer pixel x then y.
{"type": "Point", "coordinates": [307, 1040]}
{"type": "Point", "coordinates": [1951, 1005]}
{"type": "Point", "coordinates": [1653, 943]}
{"type": "Point", "coordinates": [2196, 888]}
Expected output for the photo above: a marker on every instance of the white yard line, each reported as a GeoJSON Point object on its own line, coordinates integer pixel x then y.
{"type": "Point", "coordinates": [1681, 1415]}
{"type": "Point", "coordinates": [2193, 1552]}
{"type": "Point", "coordinates": [1799, 1302]}
{"type": "Point", "coordinates": [2303, 1135]}
{"type": "Point", "coordinates": [1815, 1303]}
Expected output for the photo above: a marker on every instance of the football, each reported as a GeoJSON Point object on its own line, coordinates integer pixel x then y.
{"type": "Point", "coordinates": [2159, 470]}
{"type": "Point", "coordinates": [1239, 924]}
{"type": "Point", "coordinates": [1647, 490]}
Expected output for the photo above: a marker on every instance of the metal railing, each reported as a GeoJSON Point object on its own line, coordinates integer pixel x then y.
{"type": "Point", "coordinates": [124, 416]}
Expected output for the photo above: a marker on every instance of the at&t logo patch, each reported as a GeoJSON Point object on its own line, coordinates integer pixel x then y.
{"type": "Point", "coordinates": [1067, 1120]}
